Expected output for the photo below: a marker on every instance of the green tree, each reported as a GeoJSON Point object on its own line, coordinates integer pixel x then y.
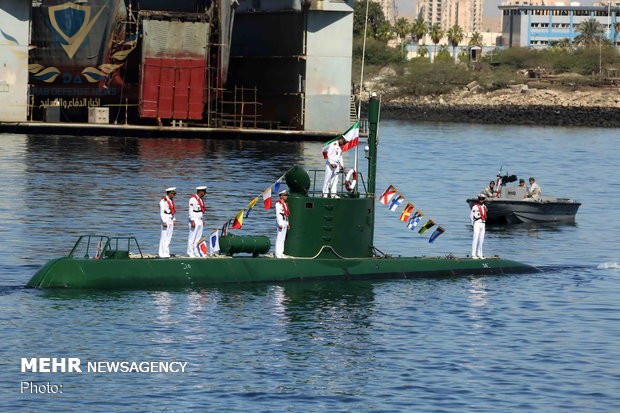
{"type": "Point", "coordinates": [419, 28]}
{"type": "Point", "coordinates": [384, 32]}
{"type": "Point", "coordinates": [562, 44]}
{"type": "Point", "coordinates": [402, 28]}
{"type": "Point", "coordinates": [590, 33]}
{"type": "Point", "coordinates": [476, 39]}
{"type": "Point", "coordinates": [376, 18]}
{"type": "Point", "coordinates": [443, 54]}
{"type": "Point", "coordinates": [455, 35]}
{"type": "Point", "coordinates": [422, 50]}
{"type": "Point", "coordinates": [436, 34]}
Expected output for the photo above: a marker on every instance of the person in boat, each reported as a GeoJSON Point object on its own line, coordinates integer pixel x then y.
{"type": "Point", "coordinates": [534, 192]}
{"type": "Point", "coordinates": [196, 210]}
{"type": "Point", "coordinates": [489, 191]}
{"type": "Point", "coordinates": [478, 217]}
{"type": "Point", "coordinates": [333, 165]}
{"type": "Point", "coordinates": [282, 214]}
{"type": "Point", "coordinates": [167, 209]}
{"type": "Point", "coordinates": [522, 189]}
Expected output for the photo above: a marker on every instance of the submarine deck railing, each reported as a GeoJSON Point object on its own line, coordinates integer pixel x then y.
{"type": "Point", "coordinates": [316, 188]}
{"type": "Point", "coordinates": [104, 247]}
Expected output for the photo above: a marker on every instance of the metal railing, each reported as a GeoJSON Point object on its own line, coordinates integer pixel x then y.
{"type": "Point", "coordinates": [104, 247]}
{"type": "Point", "coordinates": [316, 186]}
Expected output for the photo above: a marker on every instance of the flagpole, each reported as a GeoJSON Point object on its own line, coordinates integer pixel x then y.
{"type": "Point", "coordinates": [359, 106]}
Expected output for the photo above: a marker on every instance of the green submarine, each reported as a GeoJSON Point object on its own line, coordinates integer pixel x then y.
{"type": "Point", "coordinates": [329, 239]}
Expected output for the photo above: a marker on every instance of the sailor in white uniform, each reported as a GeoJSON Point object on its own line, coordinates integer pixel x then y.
{"type": "Point", "coordinates": [196, 210]}
{"type": "Point", "coordinates": [333, 165]}
{"type": "Point", "coordinates": [478, 218]}
{"type": "Point", "coordinates": [282, 214]}
{"type": "Point", "coordinates": [167, 209]}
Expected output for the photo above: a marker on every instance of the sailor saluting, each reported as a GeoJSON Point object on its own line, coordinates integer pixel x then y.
{"type": "Point", "coordinates": [333, 165]}
{"type": "Point", "coordinates": [167, 209]}
{"type": "Point", "coordinates": [478, 218]}
{"type": "Point", "coordinates": [196, 210]}
{"type": "Point", "coordinates": [282, 214]}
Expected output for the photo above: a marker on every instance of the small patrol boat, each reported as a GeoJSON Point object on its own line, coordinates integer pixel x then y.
{"type": "Point", "coordinates": [330, 238]}
{"type": "Point", "coordinates": [512, 207]}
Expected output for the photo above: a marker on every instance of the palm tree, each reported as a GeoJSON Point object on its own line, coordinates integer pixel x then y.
{"type": "Point", "coordinates": [562, 44]}
{"type": "Point", "coordinates": [436, 34]}
{"type": "Point", "coordinates": [401, 28]}
{"type": "Point", "coordinates": [384, 31]}
{"type": "Point", "coordinates": [455, 35]}
{"type": "Point", "coordinates": [422, 50]}
{"type": "Point", "coordinates": [590, 33]}
{"type": "Point", "coordinates": [419, 28]}
{"type": "Point", "coordinates": [476, 39]}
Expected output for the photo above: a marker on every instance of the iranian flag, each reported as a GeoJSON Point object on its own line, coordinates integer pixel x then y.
{"type": "Point", "coordinates": [351, 139]}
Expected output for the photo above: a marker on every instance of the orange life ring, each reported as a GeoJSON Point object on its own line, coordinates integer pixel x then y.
{"type": "Point", "coordinates": [350, 181]}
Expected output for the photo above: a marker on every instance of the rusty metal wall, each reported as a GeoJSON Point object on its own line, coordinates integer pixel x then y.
{"type": "Point", "coordinates": [174, 60]}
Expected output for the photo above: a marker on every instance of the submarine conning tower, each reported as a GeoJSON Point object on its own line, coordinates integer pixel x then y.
{"type": "Point", "coordinates": [336, 228]}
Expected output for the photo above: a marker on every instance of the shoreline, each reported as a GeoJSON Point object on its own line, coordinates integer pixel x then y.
{"type": "Point", "coordinates": [517, 105]}
{"type": "Point", "coordinates": [542, 115]}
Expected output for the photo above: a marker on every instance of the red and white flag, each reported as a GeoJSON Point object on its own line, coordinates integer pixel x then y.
{"type": "Point", "coordinates": [388, 195]}
{"type": "Point", "coordinates": [267, 198]}
{"type": "Point", "coordinates": [351, 139]}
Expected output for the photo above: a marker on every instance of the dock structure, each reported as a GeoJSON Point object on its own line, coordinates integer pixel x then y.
{"type": "Point", "coordinates": [280, 66]}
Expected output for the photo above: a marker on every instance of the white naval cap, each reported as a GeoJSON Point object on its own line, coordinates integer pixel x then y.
{"type": "Point", "coordinates": [171, 189]}
{"type": "Point", "coordinates": [201, 188]}
{"type": "Point", "coordinates": [283, 192]}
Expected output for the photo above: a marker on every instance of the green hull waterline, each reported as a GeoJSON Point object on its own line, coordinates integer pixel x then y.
{"type": "Point", "coordinates": [154, 273]}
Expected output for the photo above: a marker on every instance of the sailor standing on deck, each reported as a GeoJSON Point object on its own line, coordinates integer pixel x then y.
{"type": "Point", "coordinates": [333, 164]}
{"type": "Point", "coordinates": [282, 214]}
{"type": "Point", "coordinates": [478, 218]}
{"type": "Point", "coordinates": [196, 209]}
{"type": "Point", "coordinates": [167, 209]}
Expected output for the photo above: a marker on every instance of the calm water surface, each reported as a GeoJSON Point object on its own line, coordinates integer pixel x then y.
{"type": "Point", "coordinates": [546, 342]}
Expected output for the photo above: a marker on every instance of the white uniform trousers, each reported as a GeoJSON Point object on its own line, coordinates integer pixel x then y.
{"type": "Point", "coordinates": [194, 236]}
{"type": "Point", "coordinates": [280, 238]}
{"type": "Point", "coordinates": [164, 240]}
{"type": "Point", "coordinates": [330, 184]}
{"type": "Point", "coordinates": [478, 240]}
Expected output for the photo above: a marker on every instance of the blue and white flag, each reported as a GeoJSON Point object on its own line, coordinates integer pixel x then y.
{"type": "Point", "coordinates": [276, 187]}
{"type": "Point", "coordinates": [396, 201]}
{"type": "Point", "coordinates": [214, 242]}
{"type": "Point", "coordinates": [415, 219]}
{"type": "Point", "coordinates": [435, 234]}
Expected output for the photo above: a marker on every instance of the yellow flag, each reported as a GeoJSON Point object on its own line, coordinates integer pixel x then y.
{"type": "Point", "coordinates": [238, 222]}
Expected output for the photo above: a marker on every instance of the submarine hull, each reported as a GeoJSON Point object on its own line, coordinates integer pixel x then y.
{"type": "Point", "coordinates": [155, 273]}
